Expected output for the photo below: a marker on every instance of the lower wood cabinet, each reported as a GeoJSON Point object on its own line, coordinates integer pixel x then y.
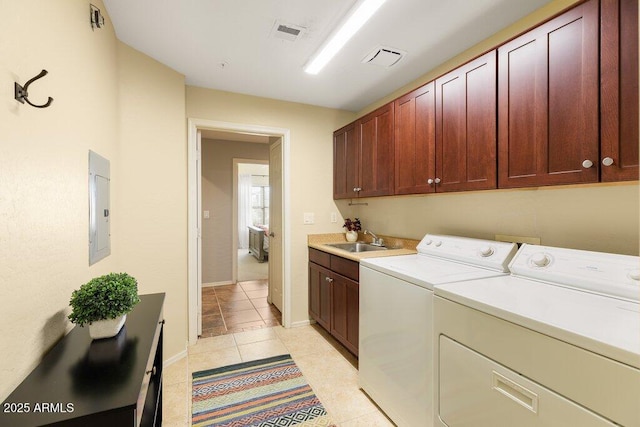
{"type": "Point", "coordinates": [334, 296]}
{"type": "Point", "coordinates": [320, 295]}
{"type": "Point", "coordinates": [345, 311]}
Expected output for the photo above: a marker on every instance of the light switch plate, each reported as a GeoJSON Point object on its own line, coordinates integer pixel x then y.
{"type": "Point", "coordinates": [206, 214]}
{"type": "Point", "coordinates": [308, 218]}
{"type": "Point", "coordinates": [334, 217]}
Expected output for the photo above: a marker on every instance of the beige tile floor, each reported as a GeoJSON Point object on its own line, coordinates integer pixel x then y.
{"type": "Point", "coordinates": [330, 370]}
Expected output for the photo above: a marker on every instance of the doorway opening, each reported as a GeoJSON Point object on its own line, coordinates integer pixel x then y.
{"type": "Point", "coordinates": [272, 214]}
{"type": "Point", "coordinates": [235, 294]}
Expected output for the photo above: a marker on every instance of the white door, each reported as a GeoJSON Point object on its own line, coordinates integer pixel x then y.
{"type": "Point", "coordinates": [275, 225]}
{"type": "Point", "coordinates": [199, 226]}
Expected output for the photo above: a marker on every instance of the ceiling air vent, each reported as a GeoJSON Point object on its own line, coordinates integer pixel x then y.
{"type": "Point", "coordinates": [286, 31]}
{"type": "Point", "coordinates": [384, 56]}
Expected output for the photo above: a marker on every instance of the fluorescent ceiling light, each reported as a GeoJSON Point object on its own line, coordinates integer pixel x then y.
{"type": "Point", "coordinates": [357, 17]}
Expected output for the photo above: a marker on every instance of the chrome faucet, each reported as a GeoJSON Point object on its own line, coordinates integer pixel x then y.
{"type": "Point", "coordinates": [376, 241]}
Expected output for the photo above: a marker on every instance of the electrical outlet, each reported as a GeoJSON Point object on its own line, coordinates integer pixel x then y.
{"type": "Point", "coordinates": [206, 214]}
{"type": "Point", "coordinates": [334, 217]}
{"type": "Point", "coordinates": [308, 218]}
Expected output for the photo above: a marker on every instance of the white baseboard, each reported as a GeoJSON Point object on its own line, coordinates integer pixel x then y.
{"type": "Point", "coordinates": [174, 359]}
{"type": "Point", "coordinates": [226, 282]}
{"type": "Point", "coordinates": [300, 323]}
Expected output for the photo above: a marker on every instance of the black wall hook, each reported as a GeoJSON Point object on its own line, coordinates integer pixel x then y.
{"type": "Point", "coordinates": [21, 94]}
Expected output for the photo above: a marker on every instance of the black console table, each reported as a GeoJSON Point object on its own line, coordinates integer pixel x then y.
{"type": "Point", "coordinates": [110, 382]}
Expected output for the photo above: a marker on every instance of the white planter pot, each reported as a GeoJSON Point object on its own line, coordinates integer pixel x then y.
{"type": "Point", "coordinates": [351, 236]}
{"type": "Point", "coordinates": [106, 328]}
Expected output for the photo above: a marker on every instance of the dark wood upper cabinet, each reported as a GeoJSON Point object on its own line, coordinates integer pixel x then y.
{"type": "Point", "coordinates": [375, 131]}
{"type": "Point", "coordinates": [556, 105]}
{"type": "Point", "coordinates": [363, 156]}
{"type": "Point", "coordinates": [619, 90]}
{"type": "Point", "coordinates": [466, 126]}
{"type": "Point", "coordinates": [415, 138]}
{"type": "Point", "coordinates": [345, 162]}
{"type": "Point", "coordinates": [548, 102]}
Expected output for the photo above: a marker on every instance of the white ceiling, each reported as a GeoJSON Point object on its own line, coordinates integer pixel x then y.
{"type": "Point", "coordinates": [195, 37]}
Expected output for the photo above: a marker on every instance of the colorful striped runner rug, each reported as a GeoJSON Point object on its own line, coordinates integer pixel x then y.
{"type": "Point", "coordinates": [265, 393]}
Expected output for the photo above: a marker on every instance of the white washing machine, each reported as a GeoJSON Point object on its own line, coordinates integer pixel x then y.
{"type": "Point", "coordinates": [556, 343]}
{"type": "Point", "coordinates": [396, 299]}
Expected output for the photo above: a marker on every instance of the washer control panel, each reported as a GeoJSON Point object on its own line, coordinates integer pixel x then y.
{"type": "Point", "coordinates": [484, 253]}
{"type": "Point", "coordinates": [603, 273]}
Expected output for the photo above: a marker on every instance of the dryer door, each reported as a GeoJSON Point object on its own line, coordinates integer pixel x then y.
{"type": "Point", "coordinates": [478, 392]}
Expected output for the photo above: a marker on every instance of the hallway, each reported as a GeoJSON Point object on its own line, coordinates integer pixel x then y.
{"type": "Point", "coordinates": [236, 308]}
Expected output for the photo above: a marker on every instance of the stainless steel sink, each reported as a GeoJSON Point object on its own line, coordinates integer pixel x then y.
{"type": "Point", "coordinates": [357, 247]}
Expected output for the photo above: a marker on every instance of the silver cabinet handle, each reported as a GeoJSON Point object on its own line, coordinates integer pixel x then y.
{"type": "Point", "coordinates": [437, 181]}
{"type": "Point", "coordinates": [607, 161]}
{"type": "Point", "coordinates": [587, 164]}
{"type": "Point", "coordinates": [328, 279]}
{"type": "Point", "coordinates": [430, 181]}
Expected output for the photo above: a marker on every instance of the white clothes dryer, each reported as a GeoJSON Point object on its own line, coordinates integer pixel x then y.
{"type": "Point", "coordinates": [556, 343]}
{"type": "Point", "coordinates": [395, 336]}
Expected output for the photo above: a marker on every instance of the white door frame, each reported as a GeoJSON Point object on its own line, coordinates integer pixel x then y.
{"type": "Point", "coordinates": [194, 214]}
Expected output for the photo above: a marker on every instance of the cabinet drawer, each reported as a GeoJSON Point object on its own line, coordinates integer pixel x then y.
{"type": "Point", "coordinates": [346, 267]}
{"type": "Point", "coordinates": [320, 258]}
{"type": "Point", "coordinates": [476, 391]}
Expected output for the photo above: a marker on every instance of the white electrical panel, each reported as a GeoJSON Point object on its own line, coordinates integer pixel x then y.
{"type": "Point", "coordinates": [99, 210]}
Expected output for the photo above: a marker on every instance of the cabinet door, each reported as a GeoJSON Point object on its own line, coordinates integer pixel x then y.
{"type": "Point", "coordinates": [320, 295]}
{"type": "Point", "coordinates": [548, 102]}
{"type": "Point", "coordinates": [619, 90]}
{"type": "Point", "coordinates": [345, 162]}
{"type": "Point", "coordinates": [345, 311]}
{"type": "Point", "coordinates": [466, 126]}
{"type": "Point", "coordinates": [375, 131]}
{"type": "Point", "coordinates": [415, 137]}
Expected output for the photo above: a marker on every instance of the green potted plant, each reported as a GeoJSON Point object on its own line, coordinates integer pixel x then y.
{"type": "Point", "coordinates": [103, 303]}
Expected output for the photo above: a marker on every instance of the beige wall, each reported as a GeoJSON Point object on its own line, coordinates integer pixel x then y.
{"type": "Point", "coordinates": [153, 186]}
{"type": "Point", "coordinates": [126, 107]}
{"type": "Point", "coordinates": [311, 170]}
{"type": "Point", "coordinates": [44, 170]}
{"type": "Point", "coordinates": [593, 217]}
{"type": "Point", "coordinates": [217, 198]}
